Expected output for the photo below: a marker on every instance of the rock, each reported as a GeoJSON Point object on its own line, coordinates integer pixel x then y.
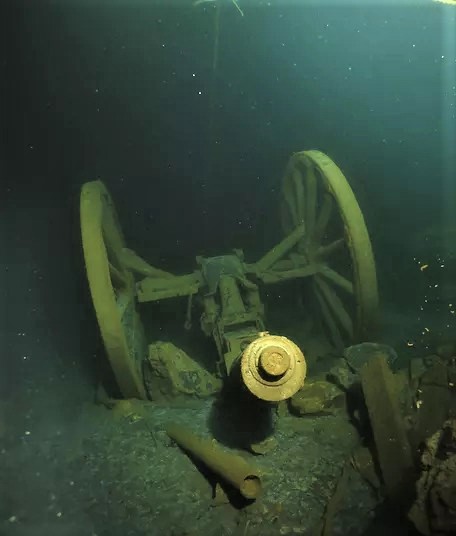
{"type": "Point", "coordinates": [363, 462]}
{"type": "Point", "coordinates": [434, 509]}
{"type": "Point", "coordinates": [446, 350]}
{"type": "Point", "coordinates": [131, 409]}
{"type": "Point", "coordinates": [359, 354]}
{"type": "Point", "coordinates": [342, 376]}
{"type": "Point", "coordinates": [220, 497]}
{"type": "Point", "coordinates": [102, 398]}
{"type": "Point", "coordinates": [417, 367]}
{"type": "Point", "coordinates": [265, 446]}
{"type": "Point", "coordinates": [430, 360]}
{"type": "Point", "coordinates": [435, 400]}
{"type": "Point", "coordinates": [436, 375]}
{"type": "Point", "coordinates": [452, 376]}
{"type": "Point", "coordinates": [404, 391]}
{"type": "Point", "coordinates": [317, 397]}
{"type": "Point", "coordinates": [171, 372]}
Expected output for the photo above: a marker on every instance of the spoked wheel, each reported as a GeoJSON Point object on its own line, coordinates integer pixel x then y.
{"type": "Point", "coordinates": [112, 288]}
{"type": "Point", "coordinates": [344, 286]}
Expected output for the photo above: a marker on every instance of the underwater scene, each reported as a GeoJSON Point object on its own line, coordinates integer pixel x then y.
{"type": "Point", "coordinates": [228, 269]}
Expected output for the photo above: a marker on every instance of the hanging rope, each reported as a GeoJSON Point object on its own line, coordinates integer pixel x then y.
{"type": "Point", "coordinates": [216, 38]}
{"type": "Point", "coordinates": [212, 145]}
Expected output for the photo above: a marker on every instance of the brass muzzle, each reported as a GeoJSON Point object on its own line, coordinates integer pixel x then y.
{"type": "Point", "coordinates": [273, 368]}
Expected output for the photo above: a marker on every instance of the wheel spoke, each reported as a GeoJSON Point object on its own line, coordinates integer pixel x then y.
{"type": "Point", "coordinates": [124, 302]}
{"type": "Point", "coordinates": [338, 279]}
{"type": "Point", "coordinates": [323, 218]}
{"type": "Point", "coordinates": [311, 205]}
{"type": "Point", "coordinates": [328, 319]}
{"type": "Point", "coordinates": [290, 201]}
{"type": "Point", "coordinates": [335, 305]}
{"type": "Point", "coordinates": [315, 193]}
{"type": "Point", "coordinates": [299, 194]}
{"type": "Point", "coordinates": [112, 252]}
{"type": "Point", "coordinates": [117, 278]}
{"type": "Point", "coordinates": [328, 249]}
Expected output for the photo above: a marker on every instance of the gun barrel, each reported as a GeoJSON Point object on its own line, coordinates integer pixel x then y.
{"type": "Point", "coordinates": [231, 467]}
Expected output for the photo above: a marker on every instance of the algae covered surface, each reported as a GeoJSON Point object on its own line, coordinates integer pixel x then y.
{"type": "Point", "coordinates": [116, 472]}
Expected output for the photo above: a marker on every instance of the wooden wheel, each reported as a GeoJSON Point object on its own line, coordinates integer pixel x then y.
{"type": "Point", "coordinates": [112, 288]}
{"type": "Point", "coordinates": [344, 288]}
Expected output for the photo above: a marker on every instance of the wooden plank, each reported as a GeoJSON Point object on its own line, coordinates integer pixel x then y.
{"type": "Point", "coordinates": [392, 445]}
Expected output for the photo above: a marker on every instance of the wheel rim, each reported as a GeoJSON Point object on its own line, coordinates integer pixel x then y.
{"type": "Point", "coordinates": [112, 288]}
{"type": "Point", "coordinates": [316, 193]}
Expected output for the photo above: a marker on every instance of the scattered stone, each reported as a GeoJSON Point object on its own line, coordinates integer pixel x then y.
{"type": "Point", "coordinates": [220, 497]}
{"type": "Point", "coordinates": [404, 391]}
{"type": "Point", "coordinates": [430, 360]}
{"type": "Point", "coordinates": [436, 375]}
{"type": "Point", "coordinates": [435, 400]}
{"type": "Point", "coordinates": [171, 372]}
{"type": "Point", "coordinates": [363, 462]}
{"type": "Point", "coordinates": [360, 354]}
{"type": "Point", "coordinates": [417, 368]}
{"type": "Point", "coordinates": [452, 376]}
{"type": "Point", "coordinates": [102, 398]}
{"type": "Point", "coordinates": [131, 409]}
{"type": "Point", "coordinates": [265, 446]}
{"type": "Point", "coordinates": [446, 350]}
{"type": "Point", "coordinates": [342, 376]}
{"type": "Point", "coordinates": [317, 397]}
{"type": "Point", "coordinates": [434, 510]}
